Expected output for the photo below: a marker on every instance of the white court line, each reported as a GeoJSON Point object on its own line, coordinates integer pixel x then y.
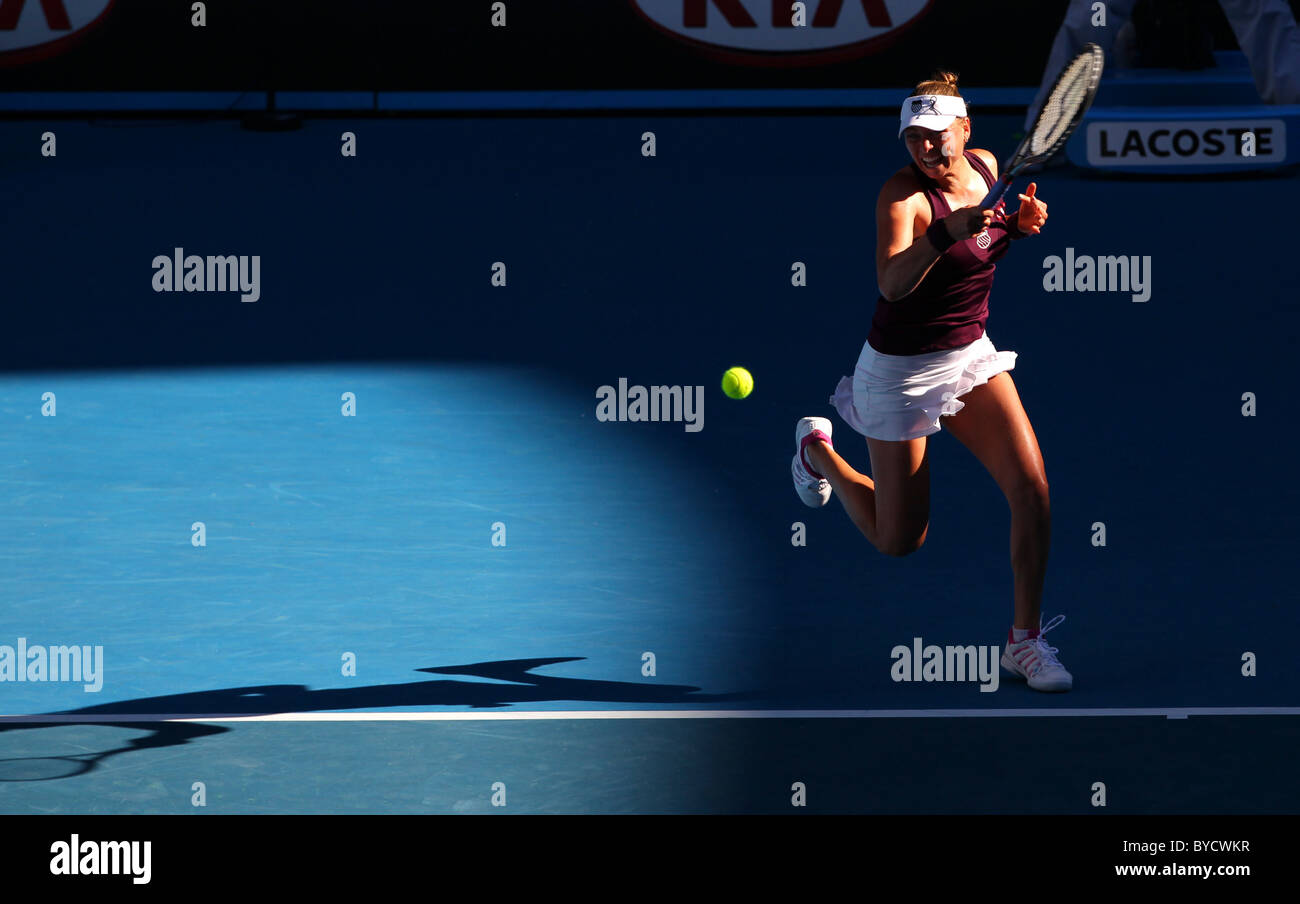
{"type": "Point", "coordinates": [594, 715]}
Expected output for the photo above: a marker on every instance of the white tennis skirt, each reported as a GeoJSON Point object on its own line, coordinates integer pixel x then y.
{"type": "Point", "coordinates": [901, 397]}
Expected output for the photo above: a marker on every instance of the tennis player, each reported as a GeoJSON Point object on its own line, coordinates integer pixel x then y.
{"type": "Point", "coordinates": [927, 365]}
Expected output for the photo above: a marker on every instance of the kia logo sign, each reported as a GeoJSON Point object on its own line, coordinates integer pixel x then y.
{"type": "Point", "coordinates": [763, 31]}
{"type": "Point", "coordinates": [35, 29]}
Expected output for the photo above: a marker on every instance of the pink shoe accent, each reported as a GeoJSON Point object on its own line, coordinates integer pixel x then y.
{"type": "Point", "coordinates": [814, 436]}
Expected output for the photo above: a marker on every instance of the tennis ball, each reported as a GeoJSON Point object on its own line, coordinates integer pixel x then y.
{"type": "Point", "coordinates": [737, 383]}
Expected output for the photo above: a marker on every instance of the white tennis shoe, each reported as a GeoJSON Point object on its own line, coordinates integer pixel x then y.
{"type": "Point", "coordinates": [1033, 660]}
{"type": "Point", "coordinates": [814, 490]}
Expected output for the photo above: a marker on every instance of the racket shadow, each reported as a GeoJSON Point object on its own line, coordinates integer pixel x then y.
{"type": "Point", "coordinates": [47, 768]}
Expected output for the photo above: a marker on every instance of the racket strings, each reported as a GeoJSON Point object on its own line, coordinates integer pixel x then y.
{"type": "Point", "coordinates": [1064, 103]}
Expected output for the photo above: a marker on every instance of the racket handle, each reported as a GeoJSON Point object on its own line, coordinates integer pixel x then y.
{"type": "Point", "coordinates": [996, 194]}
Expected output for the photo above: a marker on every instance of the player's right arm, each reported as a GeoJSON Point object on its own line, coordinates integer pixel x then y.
{"type": "Point", "coordinates": [904, 253]}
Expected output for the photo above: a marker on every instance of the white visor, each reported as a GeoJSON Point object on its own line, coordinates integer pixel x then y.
{"type": "Point", "coordinates": [931, 111]}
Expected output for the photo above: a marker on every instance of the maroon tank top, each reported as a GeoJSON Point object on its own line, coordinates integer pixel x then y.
{"type": "Point", "coordinates": [950, 307]}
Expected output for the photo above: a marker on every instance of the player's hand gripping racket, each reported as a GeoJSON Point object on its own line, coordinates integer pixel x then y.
{"type": "Point", "coordinates": [1069, 99]}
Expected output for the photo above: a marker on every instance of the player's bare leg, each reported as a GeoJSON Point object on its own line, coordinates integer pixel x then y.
{"type": "Point", "coordinates": [893, 510]}
{"type": "Point", "coordinates": [994, 426]}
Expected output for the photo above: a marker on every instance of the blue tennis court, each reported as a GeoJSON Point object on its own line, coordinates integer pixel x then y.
{"type": "Point", "coordinates": [427, 565]}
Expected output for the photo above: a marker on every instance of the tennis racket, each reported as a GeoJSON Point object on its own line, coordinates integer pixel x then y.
{"type": "Point", "coordinates": [1061, 113]}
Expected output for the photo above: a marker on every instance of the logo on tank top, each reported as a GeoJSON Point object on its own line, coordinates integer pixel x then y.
{"type": "Point", "coordinates": [983, 240]}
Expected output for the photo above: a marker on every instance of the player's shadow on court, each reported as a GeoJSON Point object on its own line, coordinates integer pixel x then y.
{"type": "Point", "coordinates": [273, 699]}
{"type": "Point", "coordinates": [525, 687]}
